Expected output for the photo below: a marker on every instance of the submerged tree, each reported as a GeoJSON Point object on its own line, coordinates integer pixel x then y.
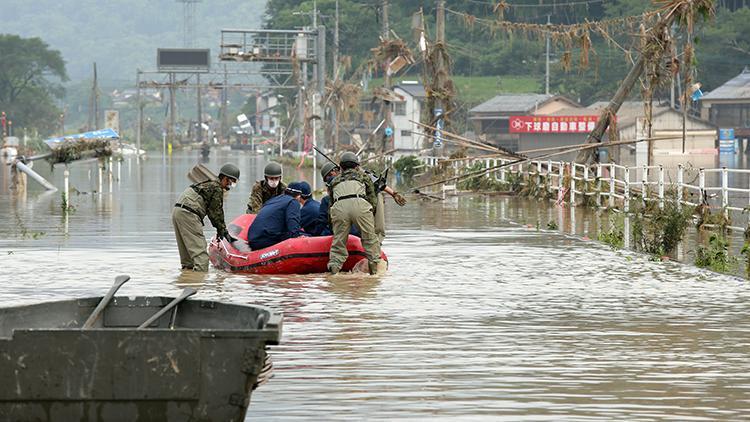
{"type": "Point", "coordinates": [30, 77]}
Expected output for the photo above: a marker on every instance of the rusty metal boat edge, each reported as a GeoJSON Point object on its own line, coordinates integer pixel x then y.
{"type": "Point", "coordinates": [199, 362]}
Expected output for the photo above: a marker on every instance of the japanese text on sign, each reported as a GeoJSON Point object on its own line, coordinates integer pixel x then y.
{"type": "Point", "coordinates": [552, 124]}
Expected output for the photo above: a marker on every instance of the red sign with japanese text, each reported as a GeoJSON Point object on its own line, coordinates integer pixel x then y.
{"type": "Point", "coordinates": [552, 124]}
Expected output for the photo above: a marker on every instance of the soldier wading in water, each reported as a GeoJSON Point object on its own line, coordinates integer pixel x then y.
{"type": "Point", "coordinates": [194, 204]}
{"type": "Point", "coordinates": [353, 201]}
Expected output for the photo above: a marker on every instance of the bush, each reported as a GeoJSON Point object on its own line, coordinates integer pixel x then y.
{"type": "Point", "coordinates": [658, 231]}
{"type": "Point", "coordinates": [406, 168]}
{"type": "Point", "coordinates": [716, 255]}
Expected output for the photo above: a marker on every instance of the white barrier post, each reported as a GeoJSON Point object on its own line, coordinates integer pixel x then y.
{"type": "Point", "coordinates": [110, 174]}
{"type": "Point", "coordinates": [724, 191]}
{"type": "Point", "coordinates": [572, 184]}
{"type": "Point", "coordinates": [599, 185]}
{"type": "Point", "coordinates": [612, 170]}
{"type": "Point", "coordinates": [99, 166]}
{"type": "Point", "coordinates": [702, 186]}
{"type": "Point", "coordinates": [644, 183]}
{"type": "Point", "coordinates": [680, 179]}
{"type": "Point", "coordinates": [661, 186]}
{"type": "Point", "coordinates": [585, 184]}
{"type": "Point", "coordinates": [66, 188]}
{"type": "Point", "coordinates": [487, 166]}
{"type": "Point", "coordinates": [626, 204]}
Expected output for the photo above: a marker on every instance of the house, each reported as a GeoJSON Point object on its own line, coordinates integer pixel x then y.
{"type": "Point", "coordinates": [728, 106]}
{"type": "Point", "coordinates": [407, 138]}
{"type": "Point", "coordinates": [407, 99]}
{"type": "Point", "coordinates": [492, 118]}
{"type": "Point", "coordinates": [630, 121]}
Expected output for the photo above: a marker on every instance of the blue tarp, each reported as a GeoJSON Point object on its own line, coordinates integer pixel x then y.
{"type": "Point", "coordinates": [97, 134]}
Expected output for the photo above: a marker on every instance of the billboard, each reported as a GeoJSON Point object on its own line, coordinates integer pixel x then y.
{"type": "Point", "coordinates": [183, 59]}
{"type": "Point", "coordinates": [552, 124]}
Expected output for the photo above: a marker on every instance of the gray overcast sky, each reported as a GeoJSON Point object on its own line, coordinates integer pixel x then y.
{"type": "Point", "coordinates": [122, 35]}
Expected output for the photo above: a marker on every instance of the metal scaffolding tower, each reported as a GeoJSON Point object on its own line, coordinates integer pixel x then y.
{"type": "Point", "coordinates": [188, 21]}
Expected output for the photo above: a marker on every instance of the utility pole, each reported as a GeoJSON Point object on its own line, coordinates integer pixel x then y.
{"type": "Point", "coordinates": [223, 109]}
{"type": "Point", "coordinates": [172, 105]}
{"type": "Point", "coordinates": [386, 36]}
{"type": "Point", "coordinates": [546, 77]}
{"type": "Point", "coordinates": [336, 44]}
{"type": "Point", "coordinates": [200, 108]}
{"type": "Point", "coordinates": [334, 113]}
{"type": "Point", "coordinates": [139, 130]}
{"type": "Point", "coordinates": [440, 106]}
{"type": "Point", "coordinates": [93, 123]}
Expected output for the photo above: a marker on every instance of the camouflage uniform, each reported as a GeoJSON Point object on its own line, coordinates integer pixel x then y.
{"type": "Point", "coordinates": [354, 201]}
{"type": "Point", "coordinates": [194, 204]}
{"type": "Point", "coordinates": [261, 193]}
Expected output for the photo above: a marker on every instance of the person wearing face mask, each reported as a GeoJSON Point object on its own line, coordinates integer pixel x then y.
{"type": "Point", "coordinates": [323, 223]}
{"type": "Point", "coordinates": [278, 220]}
{"type": "Point", "coordinates": [310, 209]}
{"type": "Point", "coordinates": [265, 189]}
{"type": "Point", "coordinates": [194, 204]}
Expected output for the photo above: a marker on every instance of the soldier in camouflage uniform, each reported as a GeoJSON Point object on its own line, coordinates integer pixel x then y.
{"type": "Point", "coordinates": [194, 204]}
{"type": "Point", "coordinates": [353, 201]}
{"type": "Point", "coordinates": [265, 189]}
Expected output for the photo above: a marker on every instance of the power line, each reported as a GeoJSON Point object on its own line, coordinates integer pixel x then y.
{"type": "Point", "coordinates": [539, 6]}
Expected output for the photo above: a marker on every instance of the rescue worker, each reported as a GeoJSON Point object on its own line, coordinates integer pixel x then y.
{"type": "Point", "coordinates": [265, 189]}
{"type": "Point", "coordinates": [310, 209]}
{"type": "Point", "coordinates": [323, 226]}
{"type": "Point", "coordinates": [353, 201]}
{"type": "Point", "coordinates": [194, 204]}
{"type": "Point", "coordinates": [278, 220]}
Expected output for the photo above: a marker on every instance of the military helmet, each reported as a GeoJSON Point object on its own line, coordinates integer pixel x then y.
{"type": "Point", "coordinates": [327, 168]}
{"type": "Point", "coordinates": [230, 170]}
{"type": "Point", "coordinates": [349, 157]}
{"type": "Point", "coordinates": [273, 169]}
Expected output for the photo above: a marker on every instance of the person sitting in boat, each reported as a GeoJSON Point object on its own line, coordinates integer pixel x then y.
{"type": "Point", "coordinates": [310, 209]}
{"type": "Point", "coordinates": [323, 223]}
{"type": "Point", "coordinates": [278, 220]}
{"type": "Point", "coordinates": [265, 189]}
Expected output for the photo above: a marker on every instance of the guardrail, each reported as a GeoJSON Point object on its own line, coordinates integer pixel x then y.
{"type": "Point", "coordinates": [614, 186]}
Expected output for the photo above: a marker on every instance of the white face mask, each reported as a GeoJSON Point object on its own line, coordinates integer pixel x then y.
{"type": "Point", "coordinates": [273, 183]}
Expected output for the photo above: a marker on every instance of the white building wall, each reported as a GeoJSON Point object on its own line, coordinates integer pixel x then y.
{"type": "Point", "coordinates": [405, 136]}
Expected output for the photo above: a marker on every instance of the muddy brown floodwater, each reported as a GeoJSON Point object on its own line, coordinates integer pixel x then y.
{"type": "Point", "coordinates": [477, 318]}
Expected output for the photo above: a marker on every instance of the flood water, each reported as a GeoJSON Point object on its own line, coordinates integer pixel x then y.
{"type": "Point", "coordinates": [478, 318]}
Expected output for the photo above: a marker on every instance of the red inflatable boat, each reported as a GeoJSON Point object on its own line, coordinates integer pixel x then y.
{"type": "Point", "coordinates": [301, 255]}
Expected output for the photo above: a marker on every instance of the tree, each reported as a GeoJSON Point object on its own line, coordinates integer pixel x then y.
{"type": "Point", "coordinates": [30, 79]}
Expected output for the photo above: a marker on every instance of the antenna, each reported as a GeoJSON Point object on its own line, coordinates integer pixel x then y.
{"type": "Point", "coordinates": [188, 21]}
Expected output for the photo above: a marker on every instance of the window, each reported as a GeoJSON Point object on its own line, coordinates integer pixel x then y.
{"type": "Point", "coordinates": [405, 133]}
{"type": "Point", "coordinates": [400, 109]}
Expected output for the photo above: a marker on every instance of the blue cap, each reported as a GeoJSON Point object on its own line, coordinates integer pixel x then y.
{"type": "Point", "coordinates": [305, 188]}
{"type": "Point", "coordinates": [294, 188]}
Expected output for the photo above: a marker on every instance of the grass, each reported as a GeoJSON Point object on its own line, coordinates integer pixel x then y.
{"type": "Point", "coordinates": [473, 90]}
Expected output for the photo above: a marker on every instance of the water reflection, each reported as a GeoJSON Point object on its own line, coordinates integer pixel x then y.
{"type": "Point", "coordinates": [477, 318]}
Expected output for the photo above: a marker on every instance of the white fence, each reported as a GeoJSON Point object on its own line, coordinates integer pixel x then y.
{"type": "Point", "coordinates": [723, 189]}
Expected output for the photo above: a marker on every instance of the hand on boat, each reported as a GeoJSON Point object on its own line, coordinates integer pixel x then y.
{"type": "Point", "coordinates": [400, 200]}
{"type": "Point", "coordinates": [228, 237]}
